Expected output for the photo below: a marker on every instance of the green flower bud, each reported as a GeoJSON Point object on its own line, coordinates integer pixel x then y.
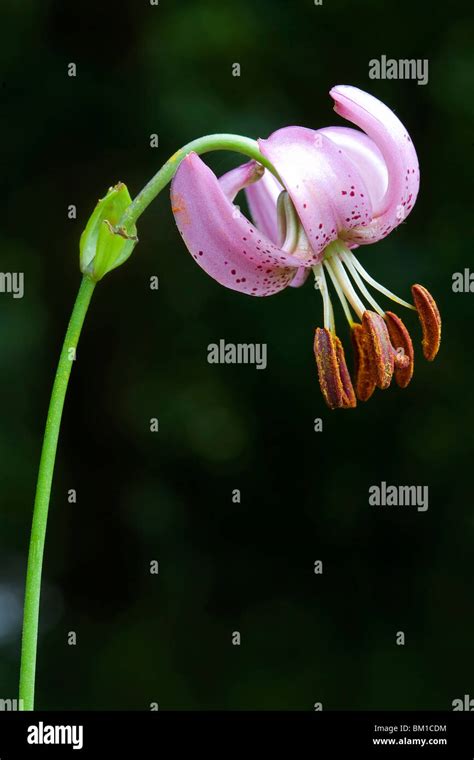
{"type": "Point", "coordinates": [104, 245]}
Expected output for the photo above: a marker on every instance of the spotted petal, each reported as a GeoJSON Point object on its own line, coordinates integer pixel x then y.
{"type": "Point", "coordinates": [325, 186]}
{"type": "Point", "coordinates": [262, 199]}
{"type": "Point", "coordinates": [368, 159]}
{"type": "Point", "coordinates": [242, 176]}
{"type": "Point", "coordinates": [219, 237]}
{"type": "Point", "coordinates": [300, 277]}
{"type": "Point", "coordinates": [396, 147]}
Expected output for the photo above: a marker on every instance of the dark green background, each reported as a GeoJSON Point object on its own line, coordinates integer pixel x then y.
{"type": "Point", "coordinates": [167, 496]}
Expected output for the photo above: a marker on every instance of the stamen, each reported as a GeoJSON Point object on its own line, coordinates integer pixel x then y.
{"type": "Point", "coordinates": [346, 286]}
{"type": "Point", "coordinates": [363, 370]}
{"type": "Point", "coordinates": [376, 284]}
{"type": "Point", "coordinates": [339, 291]}
{"type": "Point", "coordinates": [349, 398]}
{"type": "Point", "coordinates": [401, 341]}
{"type": "Point", "coordinates": [347, 261]}
{"type": "Point", "coordinates": [328, 313]}
{"type": "Point", "coordinates": [328, 371]}
{"type": "Point", "coordinates": [333, 321]}
{"type": "Point", "coordinates": [333, 375]}
{"type": "Point", "coordinates": [380, 347]}
{"type": "Point", "coordinates": [430, 321]}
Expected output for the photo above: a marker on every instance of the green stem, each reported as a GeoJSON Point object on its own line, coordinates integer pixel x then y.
{"type": "Point", "coordinates": [205, 144]}
{"type": "Point", "coordinates": [234, 143]}
{"type": "Point", "coordinates": [43, 491]}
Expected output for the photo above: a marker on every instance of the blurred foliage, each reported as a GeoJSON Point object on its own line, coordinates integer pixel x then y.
{"type": "Point", "coordinates": [225, 566]}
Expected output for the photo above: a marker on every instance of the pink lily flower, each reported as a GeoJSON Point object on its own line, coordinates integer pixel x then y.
{"type": "Point", "coordinates": [339, 188]}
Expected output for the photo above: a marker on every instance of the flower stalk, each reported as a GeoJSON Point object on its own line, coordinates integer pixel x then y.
{"type": "Point", "coordinates": [106, 243]}
{"type": "Point", "coordinates": [158, 182]}
{"type": "Point", "coordinates": [43, 492]}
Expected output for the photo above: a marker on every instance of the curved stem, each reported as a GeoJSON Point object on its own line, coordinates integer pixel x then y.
{"type": "Point", "coordinates": [205, 144]}
{"type": "Point", "coordinates": [48, 453]}
{"type": "Point", "coordinates": [43, 491]}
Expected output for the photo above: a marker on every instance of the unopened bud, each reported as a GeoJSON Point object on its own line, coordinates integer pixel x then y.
{"type": "Point", "coordinates": [105, 245]}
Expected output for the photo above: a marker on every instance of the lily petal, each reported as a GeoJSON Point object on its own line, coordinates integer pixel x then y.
{"type": "Point", "coordinates": [242, 176]}
{"type": "Point", "coordinates": [262, 199]}
{"type": "Point", "coordinates": [326, 188]}
{"type": "Point", "coordinates": [222, 241]}
{"type": "Point", "coordinates": [396, 147]}
{"type": "Point", "coordinates": [368, 159]}
{"type": "Point", "coordinates": [300, 277]}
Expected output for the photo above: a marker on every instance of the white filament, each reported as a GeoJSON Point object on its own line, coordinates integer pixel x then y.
{"type": "Point", "coordinates": [374, 283]}
{"type": "Point", "coordinates": [339, 292]}
{"type": "Point", "coordinates": [355, 276]}
{"type": "Point", "coordinates": [346, 286]}
{"type": "Point", "coordinates": [328, 313]}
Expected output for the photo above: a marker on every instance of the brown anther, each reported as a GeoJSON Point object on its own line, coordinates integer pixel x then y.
{"type": "Point", "coordinates": [430, 321]}
{"type": "Point", "coordinates": [334, 378]}
{"type": "Point", "coordinates": [364, 376]}
{"type": "Point", "coordinates": [404, 354]}
{"type": "Point", "coordinates": [349, 397]}
{"type": "Point", "coordinates": [381, 353]}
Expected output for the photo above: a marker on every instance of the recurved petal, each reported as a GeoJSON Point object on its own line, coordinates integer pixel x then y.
{"type": "Point", "coordinates": [242, 176]}
{"type": "Point", "coordinates": [300, 277]}
{"type": "Point", "coordinates": [325, 186]}
{"type": "Point", "coordinates": [262, 199]}
{"type": "Point", "coordinates": [397, 149]}
{"type": "Point", "coordinates": [368, 159]}
{"type": "Point", "coordinates": [222, 241]}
